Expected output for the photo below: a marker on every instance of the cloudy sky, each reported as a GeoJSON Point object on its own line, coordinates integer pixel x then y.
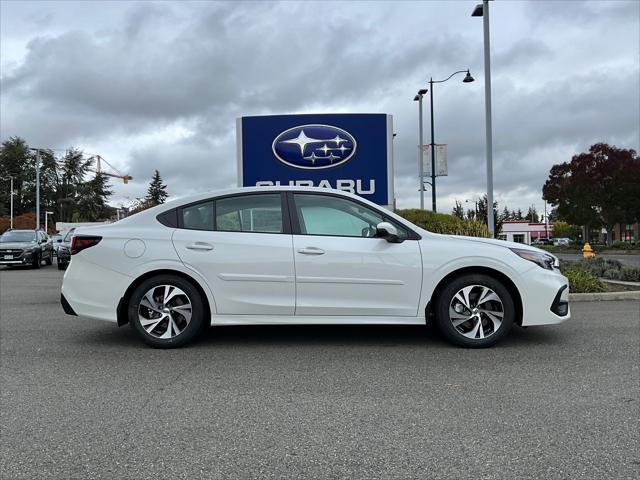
{"type": "Point", "coordinates": [159, 84]}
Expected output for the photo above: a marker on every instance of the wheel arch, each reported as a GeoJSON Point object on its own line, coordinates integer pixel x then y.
{"type": "Point", "coordinates": [491, 272]}
{"type": "Point", "coordinates": [121, 310]}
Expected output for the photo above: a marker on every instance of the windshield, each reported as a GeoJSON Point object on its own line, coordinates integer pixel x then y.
{"type": "Point", "coordinates": [67, 237]}
{"type": "Point", "coordinates": [16, 236]}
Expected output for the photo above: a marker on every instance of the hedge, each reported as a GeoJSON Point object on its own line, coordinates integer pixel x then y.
{"type": "Point", "coordinates": [443, 223]}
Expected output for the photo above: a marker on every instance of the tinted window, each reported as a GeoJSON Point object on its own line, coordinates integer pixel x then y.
{"type": "Point", "coordinates": [326, 215]}
{"type": "Point", "coordinates": [67, 237]}
{"type": "Point", "coordinates": [198, 216]}
{"type": "Point", "coordinates": [250, 213]}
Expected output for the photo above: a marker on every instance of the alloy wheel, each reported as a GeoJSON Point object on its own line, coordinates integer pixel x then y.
{"type": "Point", "coordinates": [165, 311]}
{"type": "Point", "coordinates": [476, 311]}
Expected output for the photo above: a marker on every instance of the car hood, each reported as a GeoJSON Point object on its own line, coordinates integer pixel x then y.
{"type": "Point", "coordinates": [499, 243]}
{"type": "Point", "coordinates": [17, 245]}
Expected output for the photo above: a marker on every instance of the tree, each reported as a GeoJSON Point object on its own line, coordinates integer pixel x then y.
{"type": "Point", "coordinates": [564, 230]}
{"type": "Point", "coordinates": [532, 215]}
{"type": "Point", "coordinates": [156, 194]}
{"type": "Point", "coordinates": [458, 211]}
{"type": "Point", "coordinates": [505, 215]}
{"type": "Point", "coordinates": [517, 215]}
{"type": "Point", "coordinates": [482, 214]}
{"type": "Point", "coordinates": [600, 187]}
{"type": "Point", "coordinates": [92, 198]}
{"type": "Point", "coordinates": [16, 161]}
{"type": "Point", "coordinates": [72, 172]}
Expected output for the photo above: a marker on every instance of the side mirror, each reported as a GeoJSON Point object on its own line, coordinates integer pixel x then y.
{"type": "Point", "coordinates": [389, 232]}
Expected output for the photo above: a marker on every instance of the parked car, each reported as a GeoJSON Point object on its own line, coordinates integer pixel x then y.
{"type": "Point", "coordinates": [542, 241]}
{"type": "Point", "coordinates": [303, 255]}
{"type": "Point", "coordinates": [64, 244]}
{"type": "Point", "coordinates": [25, 247]}
{"type": "Point", "coordinates": [562, 241]}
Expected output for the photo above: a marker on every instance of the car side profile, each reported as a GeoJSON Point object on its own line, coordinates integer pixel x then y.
{"type": "Point", "coordinates": [303, 255]}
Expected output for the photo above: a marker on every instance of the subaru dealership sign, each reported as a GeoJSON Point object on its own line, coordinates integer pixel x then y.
{"type": "Point", "coordinates": [350, 152]}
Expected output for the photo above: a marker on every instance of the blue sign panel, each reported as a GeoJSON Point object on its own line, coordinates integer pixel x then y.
{"type": "Point", "coordinates": [350, 152]}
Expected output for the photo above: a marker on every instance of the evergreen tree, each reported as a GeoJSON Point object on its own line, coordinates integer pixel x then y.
{"type": "Point", "coordinates": [156, 194]}
{"type": "Point", "coordinates": [518, 215]}
{"type": "Point", "coordinates": [458, 211]}
{"type": "Point", "coordinates": [16, 160]}
{"type": "Point", "coordinates": [506, 215]}
{"type": "Point", "coordinates": [532, 215]}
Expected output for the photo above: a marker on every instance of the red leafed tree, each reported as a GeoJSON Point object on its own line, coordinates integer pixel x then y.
{"type": "Point", "coordinates": [600, 187]}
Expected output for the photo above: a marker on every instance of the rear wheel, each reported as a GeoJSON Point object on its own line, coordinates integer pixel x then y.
{"type": "Point", "coordinates": [49, 260]}
{"type": "Point", "coordinates": [475, 311]}
{"type": "Point", "coordinates": [166, 311]}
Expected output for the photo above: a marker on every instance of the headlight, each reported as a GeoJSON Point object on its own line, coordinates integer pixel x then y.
{"type": "Point", "coordinates": [545, 260]}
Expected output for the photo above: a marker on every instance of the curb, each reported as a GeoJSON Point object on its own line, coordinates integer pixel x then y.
{"type": "Point", "coordinates": [603, 296]}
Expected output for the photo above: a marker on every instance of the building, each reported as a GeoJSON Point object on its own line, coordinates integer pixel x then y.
{"type": "Point", "coordinates": [520, 231]}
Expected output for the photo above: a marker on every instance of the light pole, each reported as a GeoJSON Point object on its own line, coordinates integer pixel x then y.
{"type": "Point", "coordinates": [46, 217]}
{"type": "Point", "coordinates": [467, 79]}
{"type": "Point", "coordinates": [37, 150]}
{"type": "Point", "coordinates": [11, 203]}
{"type": "Point", "coordinates": [418, 98]}
{"type": "Point", "coordinates": [482, 10]}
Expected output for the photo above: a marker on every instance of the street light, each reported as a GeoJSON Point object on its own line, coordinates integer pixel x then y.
{"type": "Point", "coordinates": [37, 150]}
{"type": "Point", "coordinates": [46, 216]}
{"type": "Point", "coordinates": [12, 194]}
{"type": "Point", "coordinates": [418, 98]}
{"type": "Point", "coordinates": [482, 10]}
{"type": "Point", "coordinates": [467, 79]}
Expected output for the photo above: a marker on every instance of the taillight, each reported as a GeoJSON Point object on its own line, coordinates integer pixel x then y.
{"type": "Point", "coordinates": [80, 242]}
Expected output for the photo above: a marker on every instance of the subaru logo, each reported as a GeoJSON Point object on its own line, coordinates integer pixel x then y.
{"type": "Point", "coordinates": [314, 146]}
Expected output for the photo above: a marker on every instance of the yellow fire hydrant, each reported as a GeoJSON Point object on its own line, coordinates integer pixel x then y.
{"type": "Point", "coordinates": [587, 251]}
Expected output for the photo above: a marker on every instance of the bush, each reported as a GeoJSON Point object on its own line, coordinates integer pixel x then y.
{"type": "Point", "coordinates": [630, 274]}
{"type": "Point", "coordinates": [582, 281]}
{"type": "Point", "coordinates": [612, 274]}
{"type": "Point", "coordinates": [619, 245]}
{"type": "Point", "coordinates": [443, 223]}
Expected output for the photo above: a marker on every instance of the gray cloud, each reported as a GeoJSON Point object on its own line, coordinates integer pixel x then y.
{"type": "Point", "coordinates": [159, 85]}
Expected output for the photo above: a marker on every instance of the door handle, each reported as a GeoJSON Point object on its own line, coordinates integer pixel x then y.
{"type": "Point", "coordinates": [311, 251]}
{"type": "Point", "coordinates": [200, 246]}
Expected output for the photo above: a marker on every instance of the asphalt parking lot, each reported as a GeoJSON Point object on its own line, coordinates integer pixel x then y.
{"type": "Point", "coordinates": [84, 399]}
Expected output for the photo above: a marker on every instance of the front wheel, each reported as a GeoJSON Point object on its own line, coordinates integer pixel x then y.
{"type": "Point", "coordinates": [166, 311]}
{"type": "Point", "coordinates": [49, 260]}
{"type": "Point", "coordinates": [475, 311]}
{"type": "Point", "coordinates": [37, 261]}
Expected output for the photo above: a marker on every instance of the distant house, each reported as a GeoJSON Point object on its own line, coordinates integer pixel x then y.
{"type": "Point", "coordinates": [520, 231]}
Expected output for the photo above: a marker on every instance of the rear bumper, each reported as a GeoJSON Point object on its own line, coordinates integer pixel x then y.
{"type": "Point", "coordinates": [93, 291]}
{"type": "Point", "coordinates": [66, 307]}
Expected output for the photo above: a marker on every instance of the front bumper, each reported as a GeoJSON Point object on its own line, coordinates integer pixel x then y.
{"type": "Point", "coordinates": [545, 297]}
{"type": "Point", "coordinates": [23, 258]}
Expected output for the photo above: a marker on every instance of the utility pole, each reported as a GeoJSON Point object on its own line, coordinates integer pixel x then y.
{"type": "Point", "coordinates": [11, 202]}
{"type": "Point", "coordinates": [37, 188]}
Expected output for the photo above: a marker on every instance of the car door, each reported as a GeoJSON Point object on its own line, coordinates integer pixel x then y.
{"type": "Point", "coordinates": [242, 246]}
{"type": "Point", "coordinates": [342, 268]}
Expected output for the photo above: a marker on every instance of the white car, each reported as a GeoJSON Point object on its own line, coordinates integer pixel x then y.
{"type": "Point", "coordinates": [303, 255]}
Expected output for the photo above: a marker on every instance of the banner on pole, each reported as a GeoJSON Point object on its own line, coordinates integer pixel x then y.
{"type": "Point", "coordinates": [441, 160]}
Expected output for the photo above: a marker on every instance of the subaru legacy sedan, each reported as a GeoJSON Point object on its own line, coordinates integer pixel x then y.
{"type": "Point", "coordinates": [303, 255]}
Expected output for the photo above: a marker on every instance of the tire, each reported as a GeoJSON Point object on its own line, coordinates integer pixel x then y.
{"type": "Point", "coordinates": [62, 266]}
{"type": "Point", "coordinates": [37, 261]}
{"type": "Point", "coordinates": [147, 305]}
{"type": "Point", "coordinates": [49, 261]}
{"type": "Point", "coordinates": [480, 299]}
